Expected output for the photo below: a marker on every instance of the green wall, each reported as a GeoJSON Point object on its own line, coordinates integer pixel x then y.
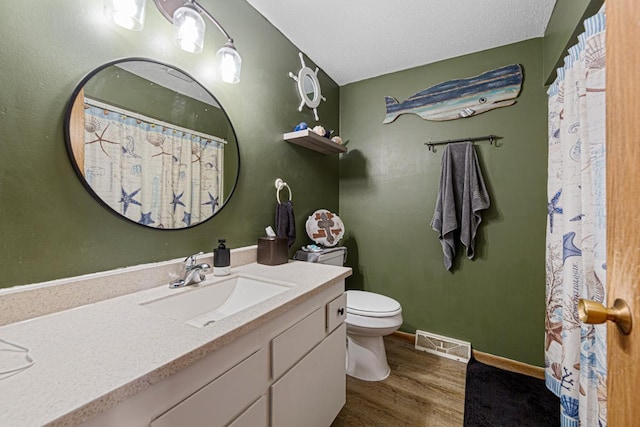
{"type": "Point", "coordinates": [388, 188]}
{"type": "Point", "coordinates": [50, 227]}
{"type": "Point", "coordinates": [120, 88]}
{"type": "Point", "coordinates": [562, 32]}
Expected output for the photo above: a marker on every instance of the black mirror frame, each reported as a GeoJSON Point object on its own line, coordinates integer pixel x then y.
{"type": "Point", "coordinates": [80, 174]}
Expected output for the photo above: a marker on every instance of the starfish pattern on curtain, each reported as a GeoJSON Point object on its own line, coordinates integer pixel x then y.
{"type": "Point", "coordinates": [152, 174]}
{"type": "Point", "coordinates": [576, 353]}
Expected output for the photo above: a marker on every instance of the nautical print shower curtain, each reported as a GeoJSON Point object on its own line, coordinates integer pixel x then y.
{"type": "Point", "coordinates": [153, 174]}
{"type": "Point", "coordinates": [575, 356]}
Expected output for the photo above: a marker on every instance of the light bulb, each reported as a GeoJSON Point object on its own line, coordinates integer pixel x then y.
{"type": "Point", "coordinates": [128, 14]}
{"type": "Point", "coordinates": [229, 64]}
{"type": "Point", "coordinates": [188, 29]}
{"type": "Point", "coordinates": [227, 68]}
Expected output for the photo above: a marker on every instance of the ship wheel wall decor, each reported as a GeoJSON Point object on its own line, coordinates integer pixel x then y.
{"type": "Point", "coordinates": [308, 87]}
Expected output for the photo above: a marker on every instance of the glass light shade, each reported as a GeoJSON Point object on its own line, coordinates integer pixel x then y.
{"type": "Point", "coordinates": [229, 64]}
{"type": "Point", "coordinates": [188, 29]}
{"type": "Point", "coordinates": [128, 14]}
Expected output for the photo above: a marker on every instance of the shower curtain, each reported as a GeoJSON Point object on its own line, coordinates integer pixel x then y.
{"type": "Point", "coordinates": [154, 174]}
{"type": "Point", "coordinates": [575, 353]}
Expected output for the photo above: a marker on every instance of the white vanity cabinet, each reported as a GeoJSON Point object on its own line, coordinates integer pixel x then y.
{"type": "Point", "coordinates": [289, 371]}
{"type": "Point", "coordinates": [309, 369]}
{"type": "Point", "coordinates": [314, 390]}
{"type": "Point", "coordinates": [222, 399]}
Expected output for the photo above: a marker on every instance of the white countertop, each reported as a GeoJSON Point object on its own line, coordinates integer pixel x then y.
{"type": "Point", "coordinates": [89, 358]}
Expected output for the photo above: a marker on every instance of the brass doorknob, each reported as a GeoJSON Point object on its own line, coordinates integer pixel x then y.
{"type": "Point", "coordinates": [593, 312]}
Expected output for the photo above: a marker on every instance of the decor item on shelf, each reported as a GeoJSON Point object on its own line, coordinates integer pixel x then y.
{"type": "Point", "coordinates": [308, 87]}
{"type": "Point", "coordinates": [188, 29]}
{"type": "Point", "coordinates": [337, 140]}
{"type": "Point", "coordinates": [300, 126]}
{"type": "Point", "coordinates": [319, 130]}
{"type": "Point", "coordinates": [324, 228]}
{"type": "Point", "coordinates": [460, 98]}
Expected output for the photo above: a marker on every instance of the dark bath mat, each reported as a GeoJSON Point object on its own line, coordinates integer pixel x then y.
{"type": "Point", "coordinates": [499, 398]}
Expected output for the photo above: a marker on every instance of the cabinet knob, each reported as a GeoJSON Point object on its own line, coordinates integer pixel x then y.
{"type": "Point", "coordinates": [341, 311]}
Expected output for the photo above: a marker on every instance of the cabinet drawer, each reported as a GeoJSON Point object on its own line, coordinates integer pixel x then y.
{"type": "Point", "coordinates": [291, 345]}
{"type": "Point", "coordinates": [255, 416]}
{"type": "Point", "coordinates": [222, 399]}
{"type": "Point", "coordinates": [313, 391]}
{"type": "Point", "coordinates": [336, 312]}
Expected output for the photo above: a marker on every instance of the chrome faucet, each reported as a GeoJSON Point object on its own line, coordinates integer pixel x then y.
{"type": "Point", "coordinates": [193, 273]}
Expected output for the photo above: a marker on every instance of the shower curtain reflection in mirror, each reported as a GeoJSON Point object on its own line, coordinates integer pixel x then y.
{"type": "Point", "coordinates": [151, 172]}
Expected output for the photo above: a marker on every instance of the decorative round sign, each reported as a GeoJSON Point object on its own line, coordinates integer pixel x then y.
{"type": "Point", "coordinates": [324, 228]}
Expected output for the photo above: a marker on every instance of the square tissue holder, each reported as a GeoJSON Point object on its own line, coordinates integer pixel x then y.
{"type": "Point", "coordinates": [273, 250]}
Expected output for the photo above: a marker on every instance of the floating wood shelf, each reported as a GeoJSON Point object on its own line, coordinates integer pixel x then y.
{"type": "Point", "coordinates": [313, 141]}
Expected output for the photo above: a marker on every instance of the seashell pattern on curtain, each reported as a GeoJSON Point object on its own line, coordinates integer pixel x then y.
{"type": "Point", "coordinates": [150, 173]}
{"type": "Point", "coordinates": [576, 353]}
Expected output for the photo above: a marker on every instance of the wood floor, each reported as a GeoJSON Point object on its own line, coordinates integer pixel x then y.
{"type": "Point", "coordinates": [422, 390]}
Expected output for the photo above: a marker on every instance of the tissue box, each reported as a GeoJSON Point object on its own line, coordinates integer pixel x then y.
{"type": "Point", "coordinates": [272, 250]}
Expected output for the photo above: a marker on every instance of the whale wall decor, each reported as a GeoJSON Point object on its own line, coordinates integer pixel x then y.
{"type": "Point", "coordinates": [461, 98]}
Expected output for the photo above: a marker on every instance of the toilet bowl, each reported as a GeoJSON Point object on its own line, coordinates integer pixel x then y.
{"type": "Point", "coordinates": [370, 316]}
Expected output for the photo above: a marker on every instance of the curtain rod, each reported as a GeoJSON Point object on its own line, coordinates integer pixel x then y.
{"type": "Point", "coordinates": [150, 120]}
{"type": "Point", "coordinates": [490, 138]}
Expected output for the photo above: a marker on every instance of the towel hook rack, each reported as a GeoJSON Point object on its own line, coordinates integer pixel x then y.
{"type": "Point", "coordinates": [491, 138]}
{"type": "Point", "coordinates": [280, 184]}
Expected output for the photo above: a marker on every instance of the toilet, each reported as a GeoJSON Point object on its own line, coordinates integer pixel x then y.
{"type": "Point", "coordinates": [370, 317]}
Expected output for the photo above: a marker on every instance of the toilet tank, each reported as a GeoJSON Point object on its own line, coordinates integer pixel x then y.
{"type": "Point", "coordinates": [336, 256]}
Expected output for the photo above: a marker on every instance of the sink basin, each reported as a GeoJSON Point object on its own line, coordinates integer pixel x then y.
{"type": "Point", "coordinates": [205, 303]}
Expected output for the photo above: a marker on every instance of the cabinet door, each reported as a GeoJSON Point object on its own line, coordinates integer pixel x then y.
{"type": "Point", "coordinates": [224, 398]}
{"type": "Point", "coordinates": [291, 345]}
{"type": "Point", "coordinates": [336, 312]}
{"type": "Point", "coordinates": [255, 416]}
{"type": "Point", "coordinates": [312, 393]}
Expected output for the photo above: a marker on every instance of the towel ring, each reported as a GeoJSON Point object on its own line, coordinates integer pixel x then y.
{"type": "Point", "coordinates": [280, 184]}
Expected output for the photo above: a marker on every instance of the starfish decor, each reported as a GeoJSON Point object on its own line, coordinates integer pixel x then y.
{"type": "Point", "coordinates": [145, 219]}
{"type": "Point", "coordinates": [128, 199]}
{"type": "Point", "coordinates": [100, 139]}
{"type": "Point", "coordinates": [553, 331]}
{"type": "Point", "coordinates": [176, 201]}
{"type": "Point", "coordinates": [213, 201]}
{"type": "Point", "coordinates": [186, 218]}
{"type": "Point", "coordinates": [552, 208]}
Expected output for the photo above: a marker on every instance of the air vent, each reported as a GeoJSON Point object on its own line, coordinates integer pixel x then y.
{"type": "Point", "coordinates": [443, 346]}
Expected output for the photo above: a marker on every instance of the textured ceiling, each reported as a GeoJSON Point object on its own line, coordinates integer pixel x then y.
{"type": "Point", "coordinates": [354, 40]}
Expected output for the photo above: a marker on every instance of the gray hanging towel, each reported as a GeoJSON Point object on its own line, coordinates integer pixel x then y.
{"type": "Point", "coordinates": [285, 222]}
{"type": "Point", "coordinates": [461, 196]}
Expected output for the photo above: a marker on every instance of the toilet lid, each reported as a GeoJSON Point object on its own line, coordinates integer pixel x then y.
{"type": "Point", "coordinates": [371, 304]}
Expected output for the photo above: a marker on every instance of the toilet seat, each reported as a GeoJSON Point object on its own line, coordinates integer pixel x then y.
{"type": "Point", "coordinates": [370, 304]}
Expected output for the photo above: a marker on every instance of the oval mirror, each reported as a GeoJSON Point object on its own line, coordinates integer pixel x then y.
{"type": "Point", "coordinates": [310, 88]}
{"type": "Point", "coordinates": [151, 144]}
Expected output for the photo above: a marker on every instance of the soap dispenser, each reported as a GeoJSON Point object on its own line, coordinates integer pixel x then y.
{"type": "Point", "coordinates": [221, 259]}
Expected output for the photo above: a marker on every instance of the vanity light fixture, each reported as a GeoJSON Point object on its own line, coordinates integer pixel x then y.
{"type": "Point", "coordinates": [188, 29]}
